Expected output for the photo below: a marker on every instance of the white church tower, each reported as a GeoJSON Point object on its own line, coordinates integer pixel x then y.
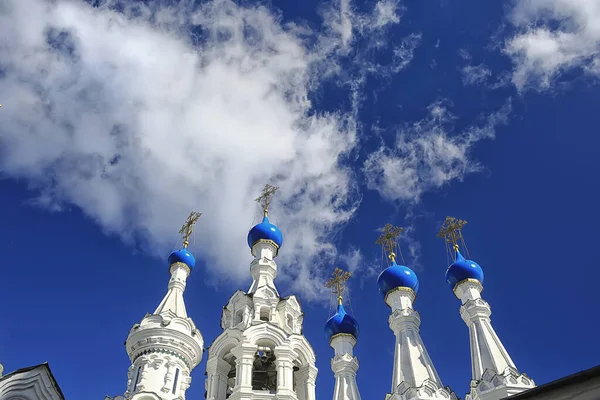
{"type": "Point", "coordinates": [414, 376]}
{"type": "Point", "coordinates": [342, 331]}
{"type": "Point", "coordinates": [262, 353]}
{"type": "Point", "coordinates": [166, 345]}
{"type": "Point", "coordinates": [494, 374]}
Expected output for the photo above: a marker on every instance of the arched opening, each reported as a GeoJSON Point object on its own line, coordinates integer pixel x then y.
{"type": "Point", "coordinates": [265, 314]}
{"type": "Point", "coordinates": [264, 370]}
{"type": "Point", "coordinates": [231, 375]}
{"type": "Point", "coordinates": [290, 321]}
{"type": "Point", "coordinates": [239, 316]}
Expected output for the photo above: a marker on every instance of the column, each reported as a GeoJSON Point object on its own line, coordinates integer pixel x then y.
{"type": "Point", "coordinates": [217, 370]}
{"type": "Point", "coordinates": [284, 360]}
{"type": "Point", "coordinates": [244, 354]}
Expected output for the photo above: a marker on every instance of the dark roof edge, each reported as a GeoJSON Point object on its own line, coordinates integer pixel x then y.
{"type": "Point", "coordinates": [577, 377]}
{"type": "Point", "coordinates": [43, 365]}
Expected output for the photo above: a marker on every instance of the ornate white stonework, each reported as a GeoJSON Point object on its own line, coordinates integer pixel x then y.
{"type": "Point", "coordinates": [35, 383]}
{"type": "Point", "coordinates": [344, 366]}
{"type": "Point", "coordinates": [414, 375]}
{"type": "Point", "coordinates": [494, 375]}
{"type": "Point", "coordinates": [164, 347]}
{"type": "Point", "coordinates": [261, 353]}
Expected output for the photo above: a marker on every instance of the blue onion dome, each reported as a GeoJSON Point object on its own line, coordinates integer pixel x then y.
{"type": "Point", "coordinates": [265, 231]}
{"type": "Point", "coordinates": [396, 276]}
{"type": "Point", "coordinates": [182, 256]}
{"type": "Point", "coordinates": [462, 269]}
{"type": "Point", "coordinates": [341, 322]}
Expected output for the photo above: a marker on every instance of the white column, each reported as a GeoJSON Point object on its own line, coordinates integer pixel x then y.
{"type": "Point", "coordinates": [344, 366]}
{"type": "Point", "coordinates": [311, 383]}
{"type": "Point", "coordinates": [284, 358]}
{"type": "Point", "coordinates": [217, 370]}
{"type": "Point", "coordinates": [244, 354]}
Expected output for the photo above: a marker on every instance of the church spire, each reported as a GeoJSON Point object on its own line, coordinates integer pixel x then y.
{"type": "Point", "coordinates": [166, 345]}
{"type": "Point", "coordinates": [493, 370]}
{"type": "Point", "coordinates": [414, 375]}
{"type": "Point", "coordinates": [342, 331]}
{"type": "Point", "coordinates": [265, 240]}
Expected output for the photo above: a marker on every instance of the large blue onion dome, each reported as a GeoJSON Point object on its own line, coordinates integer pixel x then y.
{"type": "Point", "coordinates": [182, 256]}
{"type": "Point", "coordinates": [265, 231]}
{"type": "Point", "coordinates": [462, 269]}
{"type": "Point", "coordinates": [396, 276]}
{"type": "Point", "coordinates": [341, 322]}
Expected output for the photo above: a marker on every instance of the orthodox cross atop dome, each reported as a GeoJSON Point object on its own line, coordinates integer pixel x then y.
{"type": "Point", "coordinates": [338, 283]}
{"type": "Point", "coordinates": [451, 232]}
{"type": "Point", "coordinates": [265, 197]}
{"type": "Point", "coordinates": [388, 240]}
{"type": "Point", "coordinates": [188, 226]}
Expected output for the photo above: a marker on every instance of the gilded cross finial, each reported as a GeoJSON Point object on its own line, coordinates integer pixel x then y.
{"type": "Point", "coordinates": [451, 232]}
{"type": "Point", "coordinates": [338, 282]}
{"type": "Point", "coordinates": [186, 229]}
{"type": "Point", "coordinates": [265, 198]}
{"type": "Point", "coordinates": [389, 239]}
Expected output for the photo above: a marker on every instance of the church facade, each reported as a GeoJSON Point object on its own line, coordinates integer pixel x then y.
{"type": "Point", "coordinates": [262, 353]}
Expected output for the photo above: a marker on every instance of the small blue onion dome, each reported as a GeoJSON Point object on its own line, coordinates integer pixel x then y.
{"type": "Point", "coordinates": [341, 322]}
{"type": "Point", "coordinates": [396, 276]}
{"type": "Point", "coordinates": [182, 256]}
{"type": "Point", "coordinates": [462, 269]}
{"type": "Point", "coordinates": [265, 231]}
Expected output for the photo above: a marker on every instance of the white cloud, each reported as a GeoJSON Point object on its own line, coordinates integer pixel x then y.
{"type": "Point", "coordinates": [475, 74]}
{"type": "Point", "coordinates": [554, 36]}
{"type": "Point", "coordinates": [129, 121]}
{"type": "Point", "coordinates": [426, 156]}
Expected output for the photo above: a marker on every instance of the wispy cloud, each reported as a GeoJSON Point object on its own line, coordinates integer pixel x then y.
{"type": "Point", "coordinates": [427, 156]}
{"type": "Point", "coordinates": [139, 116]}
{"type": "Point", "coordinates": [553, 37]}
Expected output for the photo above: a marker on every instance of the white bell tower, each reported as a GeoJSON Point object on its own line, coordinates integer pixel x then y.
{"type": "Point", "coordinates": [262, 353]}
{"type": "Point", "coordinates": [166, 345]}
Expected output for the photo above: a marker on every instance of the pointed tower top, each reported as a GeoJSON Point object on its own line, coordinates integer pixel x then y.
{"type": "Point", "coordinates": [341, 322]}
{"type": "Point", "coordinates": [265, 198]}
{"type": "Point", "coordinates": [462, 268]}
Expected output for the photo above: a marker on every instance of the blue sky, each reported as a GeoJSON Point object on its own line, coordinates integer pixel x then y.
{"type": "Point", "coordinates": [119, 119]}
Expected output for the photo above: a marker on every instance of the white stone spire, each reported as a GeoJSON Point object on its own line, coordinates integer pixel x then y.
{"type": "Point", "coordinates": [342, 332]}
{"type": "Point", "coordinates": [414, 376]}
{"type": "Point", "coordinates": [262, 353]}
{"type": "Point", "coordinates": [166, 345]}
{"type": "Point", "coordinates": [344, 366]}
{"type": "Point", "coordinates": [494, 374]}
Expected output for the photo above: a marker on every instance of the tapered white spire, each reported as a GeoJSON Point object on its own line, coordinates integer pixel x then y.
{"type": "Point", "coordinates": [494, 374]}
{"type": "Point", "coordinates": [166, 345]}
{"type": "Point", "coordinates": [414, 376]}
{"type": "Point", "coordinates": [342, 332]}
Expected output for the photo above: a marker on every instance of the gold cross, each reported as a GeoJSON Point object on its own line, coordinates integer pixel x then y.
{"type": "Point", "coordinates": [389, 238]}
{"type": "Point", "coordinates": [266, 196]}
{"type": "Point", "coordinates": [337, 283]}
{"type": "Point", "coordinates": [451, 231]}
{"type": "Point", "coordinates": [186, 229]}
